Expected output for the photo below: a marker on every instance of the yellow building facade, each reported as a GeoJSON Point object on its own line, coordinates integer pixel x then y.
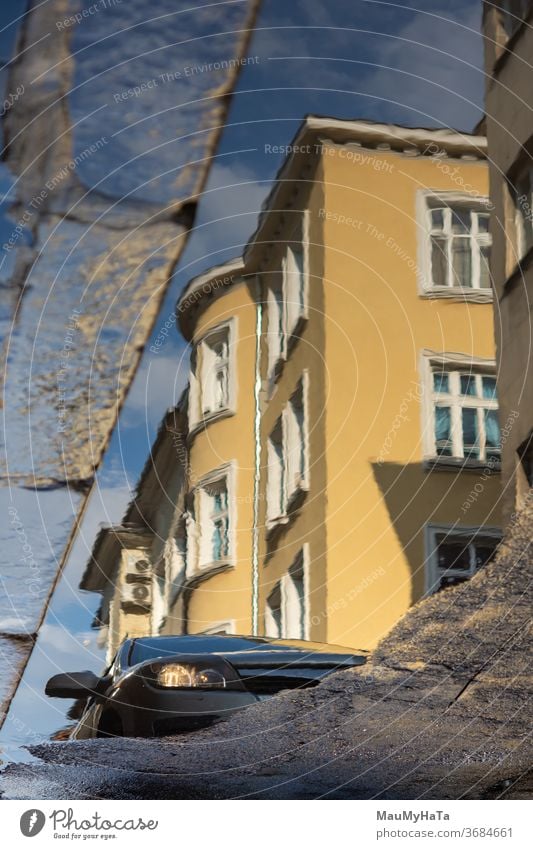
{"type": "Point", "coordinates": [344, 449]}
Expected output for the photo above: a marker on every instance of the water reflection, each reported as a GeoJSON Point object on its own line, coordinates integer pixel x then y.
{"type": "Point", "coordinates": [373, 51]}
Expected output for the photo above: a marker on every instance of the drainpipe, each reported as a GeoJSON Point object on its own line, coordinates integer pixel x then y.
{"type": "Point", "coordinates": [257, 461]}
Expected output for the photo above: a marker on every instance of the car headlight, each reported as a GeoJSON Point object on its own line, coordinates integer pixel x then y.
{"type": "Point", "coordinates": [184, 675]}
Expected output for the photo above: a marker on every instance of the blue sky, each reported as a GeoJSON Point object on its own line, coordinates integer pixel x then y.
{"type": "Point", "coordinates": [416, 63]}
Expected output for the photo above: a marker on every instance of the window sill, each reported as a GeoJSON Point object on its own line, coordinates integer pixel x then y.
{"type": "Point", "coordinates": [199, 573]}
{"type": "Point", "coordinates": [207, 419]}
{"type": "Point", "coordinates": [457, 293]}
{"type": "Point", "coordinates": [295, 501]}
{"type": "Point", "coordinates": [272, 524]}
{"type": "Point", "coordinates": [458, 464]}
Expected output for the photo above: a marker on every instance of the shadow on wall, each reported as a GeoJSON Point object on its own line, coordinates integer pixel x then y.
{"type": "Point", "coordinates": [416, 498]}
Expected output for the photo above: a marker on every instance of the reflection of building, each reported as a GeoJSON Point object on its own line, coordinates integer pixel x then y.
{"type": "Point", "coordinates": [343, 429]}
{"type": "Point", "coordinates": [336, 457]}
{"type": "Point", "coordinates": [509, 98]}
{"type": "Point", "coordinates": [138, 566]}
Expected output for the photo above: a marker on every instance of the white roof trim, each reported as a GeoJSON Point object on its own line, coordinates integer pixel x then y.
{"type": "Point", "coordinates": [223, 273]}
{"type": "Point", "coordinates": [450, 140]}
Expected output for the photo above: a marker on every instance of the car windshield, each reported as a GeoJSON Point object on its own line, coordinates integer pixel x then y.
{"type": "Point", "coordinates": [150, 648]}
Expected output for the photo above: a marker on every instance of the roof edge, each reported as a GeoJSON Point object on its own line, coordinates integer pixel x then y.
{"type": "Point", "coordinates": [218, 277]}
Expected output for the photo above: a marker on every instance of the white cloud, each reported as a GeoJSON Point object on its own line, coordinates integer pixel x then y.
{"type": "Point", "coordinates": [440, 53]}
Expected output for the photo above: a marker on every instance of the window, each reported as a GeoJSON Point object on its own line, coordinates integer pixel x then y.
{"type": "Point", "coordinates": [286, 607]}
{"type": "Point", "coordinates": [288, 466]}
{"type": "Point", "coordinates": [296, 442]}
{"type": "Point", "coordinates": [273, 613]}
{"type": "Point", "coordinates": [514, 12]}
{"type": "Point", "coordinates": [522, 193]}
{"type": "Point", "coordinates": [465, 414]}
{"type": "Point", "coordinates": [276, 492]}
{"type": "Point", "coordinates": [454, 555]}
{"type": "Point", "coordinates": [294, 607]}
{"type": "Point", "coordinates": [287, 304]}
{"type": "Point", "coordinates": [214, 371]}
{"type": "Point", "coordinates": [294, 288]}
{"type": "Point", "coordinates": [211, 382]}
{"type": "Point", "coordinates": [276, 331]}
{"type": "Point", "coordinates": [210, 528]}
{"type": "Point", "coordinates": [459, 245]}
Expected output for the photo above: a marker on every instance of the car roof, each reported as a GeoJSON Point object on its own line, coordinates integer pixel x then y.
{"type": "Point", "coordinates": [226, 643]}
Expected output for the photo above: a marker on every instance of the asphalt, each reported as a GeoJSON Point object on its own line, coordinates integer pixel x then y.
{"type": "Point", "coordinates": [441, 711]}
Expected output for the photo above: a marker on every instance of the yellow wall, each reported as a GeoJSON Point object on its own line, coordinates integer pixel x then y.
{"type": "Point", "coordinates": [228, 595]}
{"type": "Point", "coordinates": [376, 325]}
{"type": "Point", "coordinates": [362, 520]}
{"type": "Point", "coordinates": [307, 527]}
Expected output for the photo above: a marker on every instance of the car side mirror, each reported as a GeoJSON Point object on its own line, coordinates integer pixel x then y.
{"type": "Point", "coordinates": [72, 685]}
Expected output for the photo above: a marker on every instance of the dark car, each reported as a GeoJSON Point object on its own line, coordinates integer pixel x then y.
{"type": "Point", "coordinates": [165, 685]}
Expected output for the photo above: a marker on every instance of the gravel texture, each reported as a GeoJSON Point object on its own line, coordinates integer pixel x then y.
{"type": "Point", "coordinates": [440, 711]}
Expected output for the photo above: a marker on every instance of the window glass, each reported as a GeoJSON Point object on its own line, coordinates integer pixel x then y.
{"type": "Point", "coordinates": [273, 614]}
{"type": "Point", "coordinates": [462, 263]}
{"type": "Point", "coordinates": [489, 387]}
{"type": "Point", "coordinates": [470, 433]}
{"type": "Point", "coordinates": [492, 435]}
{"type": "Point", "coordinates": [294, 287]}
{"type": "Point", "coordinates": [456, 556]}
{"type": "Point", "coordinates": [453, 556]}
{"type": "Point", "coordinates": [441, 381]}
{"type": "Point", "coordinates": [443, 431]}
{"type": "Point", "coordinates": [461, 220]}
{"type": "Point", "coordinates": [468, 384]}
{"type": "Point", "coordinates": [214, 527]}
{"type": "Point", "coordinates": [294, 625]}
{"type": "Point", "coordinates": [214, 359]}
{"type": "Point", "coordinates": [439, 261]}
{"type": "Point", "coordinates": [276, 500]}
{"type": "Point", "coordinates": [465, 415]}
{"type": "Point", "coordinates": [484, 270]}
{"type": "Point", "coordinates": [437, 219]}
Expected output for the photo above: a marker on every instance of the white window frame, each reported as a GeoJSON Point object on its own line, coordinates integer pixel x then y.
{"type": "Point", "coordinates": [300, 478]}
{"type": "Point", "coordinates": [199, 416]}
{"type": "Point", "coordinates": [175, 554]}
{"type": "Point", "coordinates": [276, 337]}
{"type": "Point", "coordinates": [276, 501]}
{"type": "Point", "coordinates": [270, 631]}
{"type": "Point", "coordinates": [195, 562]}
{"type": "Point", "coordinates": [468, 535]}
{"type": "Point", "coordinates": [294, 289]}
{"type": "Point", "coordinates": [426, 200]}
{"type": "Point", "coordinates": [282, 477]}
{"type": "Point", "coordinates": [300, 562]}
{"type": "Point", "coordinates": [457, 363]}
{"type": "Point", "coordinates": [513, 17]}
